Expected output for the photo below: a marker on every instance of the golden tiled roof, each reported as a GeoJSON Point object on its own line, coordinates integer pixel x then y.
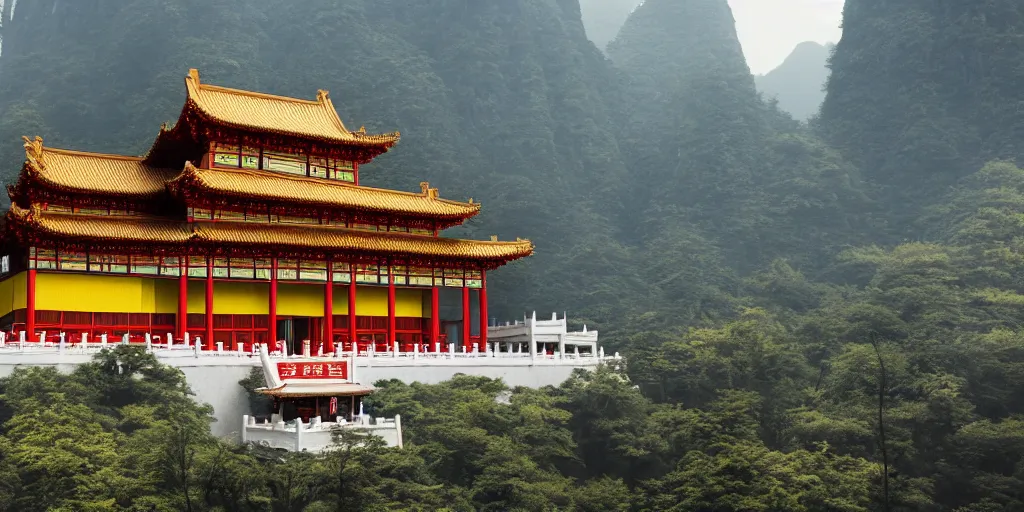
{"type": "Point", "coordinates": [318, 192]}
{"type": "Point", "coordinates": [277, 114]}
{"type": "Point", "coordinates": [327, 239]}
{"type": "Point", "coordinates": [80, 172]}
{"type": "Point", "coordinates": [123, 229]}
{"type": "Point", "coordinates": [340, 239]}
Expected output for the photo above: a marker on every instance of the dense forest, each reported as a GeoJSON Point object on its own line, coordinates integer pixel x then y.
{"type": "Point", "coordinates": [814, 316]}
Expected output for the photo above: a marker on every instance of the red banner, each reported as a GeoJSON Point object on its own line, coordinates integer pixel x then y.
{"type": "Point", "coordinates": [333, 370]}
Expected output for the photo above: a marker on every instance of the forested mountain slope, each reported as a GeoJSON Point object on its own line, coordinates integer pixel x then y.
{"type": "Point", "coordinates": [924, 105]}
{"type": "Point", "coordinates": [720, 183]}
{"type": "Point", "coordinates": [798, 83]}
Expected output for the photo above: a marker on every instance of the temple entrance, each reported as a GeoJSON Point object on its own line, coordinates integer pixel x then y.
{"type": "Point", "coordinates": [295, 329]}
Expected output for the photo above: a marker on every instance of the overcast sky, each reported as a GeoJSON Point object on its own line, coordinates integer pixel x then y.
{"type": "Point", "coordinates": [770, 29]}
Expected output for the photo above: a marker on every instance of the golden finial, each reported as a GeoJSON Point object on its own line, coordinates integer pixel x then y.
{"type": "Point", "coordinates": [194, 75]}
{"type": "Point", "coordinates": [471, 200]}
{"type": "Point", "coordinates": [322, 95]}
{"type": "Point", "coordinates": [34, 148]}
{"type": "Point", "coordinates": [494, 238]}
{"type": "Point", "coordinates": [362, 130]}
{"type": "Point", "coordinates": [425, 188]}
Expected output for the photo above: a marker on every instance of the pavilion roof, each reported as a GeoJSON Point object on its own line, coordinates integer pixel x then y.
{"type": "Point", "coordinates": [325, 239]}
{"type": "Point", "coordinates": [267, 113]}
{"type": "Point", "coordinates": [92, 173]}
{"type": "Point", "coordinates": [266, 186]}
{"type": "Point", "coordinates": [135, 229]}
{"type": "Point", "coordinates": [299, 389]}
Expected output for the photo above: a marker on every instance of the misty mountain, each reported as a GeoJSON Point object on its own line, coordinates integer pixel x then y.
{"type": "Point", "coordinates": [922, 107]}
{"type": "Point", "coordinates": [604, 18]}
{"type": "Point", "coordinates": [798, 84]}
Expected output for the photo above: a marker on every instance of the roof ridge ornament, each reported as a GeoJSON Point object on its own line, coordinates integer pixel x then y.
{"type": "Point", "coordinates": [494, 238]}
{"type": "Point", "coordinates": [34, 149]}
{"type": "Point", "coordinates": [322, 95]}
{"type": "Point", "coordinates": [430, 193]}
{"type": "Point", "coordinates": [193, 73]}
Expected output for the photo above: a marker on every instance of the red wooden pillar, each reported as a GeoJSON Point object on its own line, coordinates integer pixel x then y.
{"type": "Point", "coordinates": [484, 320]}
{"type": "Point", "coordinates": [329, 309]}
{"type": "Point", "coordinates": [209, 303]}
{"type": "Point", "coordinates": [435, 316]}
{"type": "Point", "coordinates": [352, 308]}
{"type": "Point", "coordinates": [391, 308]}
{"type": "Point", "coordinates": [182, 301]}
{"type": "Point", "coordinates": [30, 306]}
{"type": "Point", "coordinates": [272, 310]}
{"type": "Point", "coordinates": [466, 320]}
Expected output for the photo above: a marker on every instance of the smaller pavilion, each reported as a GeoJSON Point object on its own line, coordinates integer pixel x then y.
{"type": "Point", "coordinates": [313, 398]}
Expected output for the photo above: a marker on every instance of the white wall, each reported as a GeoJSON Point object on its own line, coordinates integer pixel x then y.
{"type": "Point", "coordinates": [215, 379]}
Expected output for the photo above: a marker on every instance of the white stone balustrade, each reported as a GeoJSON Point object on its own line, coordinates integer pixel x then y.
{"type": "Point", "coordinates": [315, 436]}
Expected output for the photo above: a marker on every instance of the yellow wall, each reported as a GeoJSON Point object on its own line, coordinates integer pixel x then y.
{"type": "Point", "coordinates": [127, 294]}
{"type": "Point", "coordinates": [341, 299]}
{"type": "Point", "coordinates": [105, 294]}
{"type": "Point", "coordinates": [235, 298]}
{"type": "Point", "coordinates": [12, 293]}
{"type": "Point", "coordinates": [299, 300]}
{"type": "Point", "coordinates": [409, 302]}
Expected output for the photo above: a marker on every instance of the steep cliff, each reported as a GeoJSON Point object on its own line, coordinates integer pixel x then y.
{"type": "Point", "coordinates": [921, 95]}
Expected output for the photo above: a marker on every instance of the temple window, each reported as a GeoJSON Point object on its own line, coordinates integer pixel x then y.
{"type": "Point", "coordinates": [170, 266]}
{"type": "Point", "coordinates": [341, 272]}
{"type": "Point", "coordinates": [288, 270]}
{"type": "Point", "coordinates": [300, 164]}
{"type": "Point", "coordinates": [263, 268]}
{"type": "Point", "coordinates": [220, 267]}
{"type": "Point", "coordinates": [289, 219]}
{"type": "Point", "coordinates": [250, 158]}
{"type": "Point", "coordinates": [453, 277]}
{"type": "Point", "coordinates": [332, 168]}
{"type": "Point", "coordinates": [200, 213]}
{"type": "Point", "coordinates": [42, 258]}
{"type": "Point", "coordinates": [284, 162]}
{"type": "Point", "coordinates": [197, 266]}
{"type": "Point", "coordinates": [58, 208]}
{"type": "Point", "coordinates": [226, 155]}
{"type": "Point", "coordinates": [421, 276]}
{"type": "Point", "coordinates": [474, 279]}
{"type": "Point", "coordinates": [228, 215]}
{"type": "Point", "coordinates": [72, 261]}
{"type": "Point", "coordinates": [368, 274]}
{"type": "Point", "coordinates": [63, 208]}
{"type": "Point", "coordinates": [242, 268]}
{"type": "Point", "coordinates": [109, 263]}
{"type": "Point", "coordinates": [148, 265]}
{"type": "Point", "coordinates": [312, 270]}
{"type": "Point", "coordinates": [400, 274]}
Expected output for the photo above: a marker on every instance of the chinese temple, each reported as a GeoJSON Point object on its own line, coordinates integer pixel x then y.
{"type": "Point", "coordinates": [245, 223]}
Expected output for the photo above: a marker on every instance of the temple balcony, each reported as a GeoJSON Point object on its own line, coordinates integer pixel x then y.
{"type": "Point", "coordinates": [531, 342]}
{"type": "Point", "coordinates": [316, 436]}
